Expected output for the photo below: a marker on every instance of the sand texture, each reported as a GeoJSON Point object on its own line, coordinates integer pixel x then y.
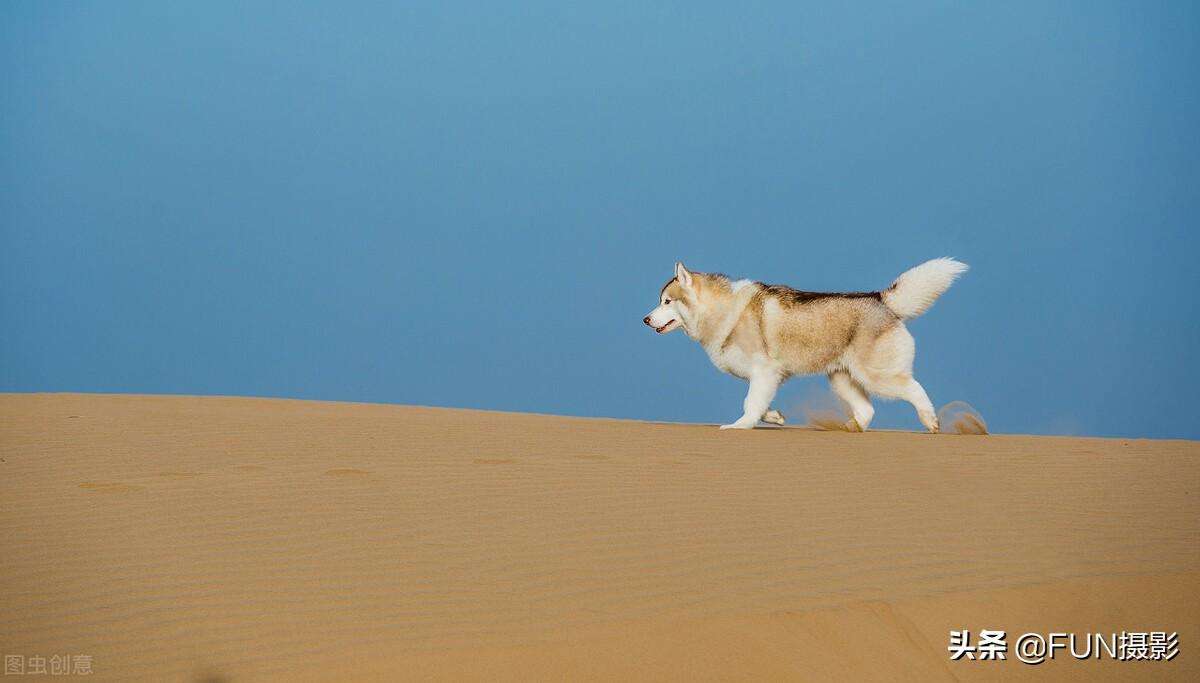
{"type": "Point", "coordinates": [231, 539]}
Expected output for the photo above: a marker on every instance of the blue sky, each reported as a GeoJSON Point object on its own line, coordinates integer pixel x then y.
{"type": "Point", "coordinates": [474, 204]}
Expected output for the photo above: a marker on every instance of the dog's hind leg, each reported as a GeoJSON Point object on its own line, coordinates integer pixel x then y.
{"type": "Point", "coordinates": [915, 394]}
{"type": "Point", "coordinates": [854, 397]}
{"type": "Point", "coordinates": [905, 387]}
{"type": "Point", "coordinates": [886, 370]}
{"type": "Point", "coordinates": [774, 417]}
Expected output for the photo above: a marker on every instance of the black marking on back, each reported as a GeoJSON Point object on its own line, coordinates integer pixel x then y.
{"type": "Point", "coordinates": [796, 296]}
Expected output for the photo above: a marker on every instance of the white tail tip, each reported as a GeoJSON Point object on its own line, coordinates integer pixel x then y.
{"type": "Point", "coordinates": [916, 289]}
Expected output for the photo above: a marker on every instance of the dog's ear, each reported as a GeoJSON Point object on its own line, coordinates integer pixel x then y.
{"type": "Point", "coordinates": [682, 274]}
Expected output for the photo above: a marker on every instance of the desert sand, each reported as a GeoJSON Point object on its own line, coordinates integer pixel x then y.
{"type": "Point", "coordinates": [229, 539]}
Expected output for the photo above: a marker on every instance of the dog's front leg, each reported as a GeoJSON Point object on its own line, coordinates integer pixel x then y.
{"type": "Point", "coordinates": [758, 399]}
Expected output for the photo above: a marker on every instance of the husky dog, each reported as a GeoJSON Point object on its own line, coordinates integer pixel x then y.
{"type": "Point", "coordinates": [766, 334]}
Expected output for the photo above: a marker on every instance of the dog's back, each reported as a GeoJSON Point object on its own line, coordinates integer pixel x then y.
{"type": "Point", "coordinates": [808, 332]}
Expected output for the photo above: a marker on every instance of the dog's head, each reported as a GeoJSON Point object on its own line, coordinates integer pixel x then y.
{"type": "Point", "coordinates": [675, 302]}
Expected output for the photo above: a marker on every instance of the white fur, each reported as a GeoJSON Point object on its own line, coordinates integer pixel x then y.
{"type": "Point", "coordinates": [916, 289]}
{"type": "Point", "coordinates": [664, 319]}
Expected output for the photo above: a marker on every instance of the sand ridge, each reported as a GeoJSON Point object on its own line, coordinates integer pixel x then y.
{"type": "Point", "coordinates": [232, 538]}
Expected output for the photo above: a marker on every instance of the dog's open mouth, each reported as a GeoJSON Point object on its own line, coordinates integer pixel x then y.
{"type": "Point", "coordinates": [662, 329]}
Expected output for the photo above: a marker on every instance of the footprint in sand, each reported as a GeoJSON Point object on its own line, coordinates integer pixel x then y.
{"type": "Point", "coordinates": [178, 475]}
{"type": "Point", "coordinates": [110, 487]}
{"type": "Point", "coordinates": [346, 472]}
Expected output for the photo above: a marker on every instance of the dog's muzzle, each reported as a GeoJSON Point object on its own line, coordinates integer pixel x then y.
{"type": "Point", "coordinates": [659, 330]}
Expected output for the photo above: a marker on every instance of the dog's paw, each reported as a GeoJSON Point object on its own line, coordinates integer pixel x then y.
{"type": "Point", "coordinates": [738, 425]}
{"type": "Point", "coordinates": [774, 417]}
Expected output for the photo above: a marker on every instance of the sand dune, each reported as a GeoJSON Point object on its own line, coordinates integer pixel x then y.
{"type": "Point", "coordinates": [186, 538]}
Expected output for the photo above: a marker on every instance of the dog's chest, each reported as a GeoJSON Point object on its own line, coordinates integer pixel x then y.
{"type": "Point", "coordinates": [732, 359]}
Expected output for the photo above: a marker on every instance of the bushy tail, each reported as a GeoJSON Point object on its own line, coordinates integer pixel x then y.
{"type": "Point", "coordinates": [915, 290]}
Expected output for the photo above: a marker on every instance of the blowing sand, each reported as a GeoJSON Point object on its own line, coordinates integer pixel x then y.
{"type": "Point", "coordinates": [218, 539]}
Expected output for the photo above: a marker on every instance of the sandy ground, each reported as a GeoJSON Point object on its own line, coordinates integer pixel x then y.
{"type": "Point", "coordinates": [214, 539]}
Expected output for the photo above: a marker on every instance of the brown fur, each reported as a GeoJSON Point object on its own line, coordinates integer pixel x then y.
{"type": "Point", "coordinates": [815, 326]}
